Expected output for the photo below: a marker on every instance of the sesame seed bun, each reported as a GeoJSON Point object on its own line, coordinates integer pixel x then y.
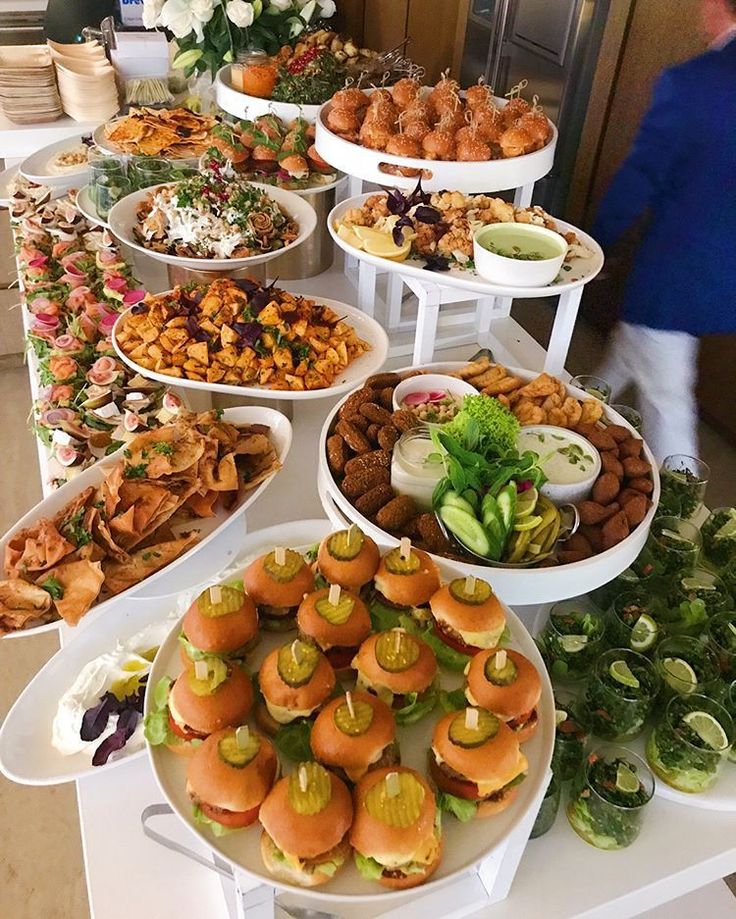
{"type": "Point", "coordinates": [353, 753]}
{"type": "Point", "coordinates": [409, 589]}
{"type": "Point", "coordinates": [221, 634]}
{"type": "Point", "coordinates": [351, 574]}
{"type": "Point", "coordinates": [416, 678]}
{"type": "Point", "coordinates": [326, 634]}
{"type": "Point", "coordinates": [227, 706]}
{"type": "Point", "coordinates": [496, 762]}
{"type": "Point", "coordinates": [307, 835]}
{"type": "Point", "coordinates": [508, 702]}
{"type": "Point", "coordinates": [298, 698]}
{"type": "Point", "coordinates": [372, 837]}
{"type": "Point", "coordinates": [265, 590]}
{"type": "Point", "coordinates": [213, 781]}
{"type": "Point", "coordinates": [467, 617]}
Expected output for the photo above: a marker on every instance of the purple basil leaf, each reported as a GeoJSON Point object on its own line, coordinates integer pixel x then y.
{"type": "Point", "coordinates": [437, 263]}
{"type": "Point", "coordinates": [398, 236]}
{"type": "Point", "coordinates": [95, 719]}
{"type": "Point", "coordinates": [396, 202]}
{"type": "Point", "coordinates": [194, 329]}
{"type": "Point", "coordinates": [418, 196]}
{"type": "Point", "coordinates": [426, 214]}
{"type": "Point", "coordinates": [248, 332]}
{"type": "Point", "coordinates": [139, 308]}
{"type": "Point", "coordinates": [192, 297]}
{"type": "Point", "coordinates": [247, 286]}
{"type": "Point", "coordinates": [127, 722]}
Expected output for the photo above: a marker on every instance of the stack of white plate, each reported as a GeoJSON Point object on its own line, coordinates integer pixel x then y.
{"type": "Point", "coordinates": [28, 92]}
{"type": "Point", "coordinates": [86, 81]}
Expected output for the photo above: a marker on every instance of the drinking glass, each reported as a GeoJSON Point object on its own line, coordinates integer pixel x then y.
{"type": "Point", "coordinates": [573, 638]}
{"type": "Point", "coordinates": [146, 171]}
{"type": "Point", "coordinates": [548, 808]}
{"type": "Point", "coordinates": [631, 415]}
{"type": "Point", "coordinates": [722, 639]}
{"type": "Point", "coordinates": [719, 536]}
{"type": "Point", "coordinates": [571, 735]}
{"type": "Point", "coordinates": [594, 386]}
{"type": "Point", "coordinates": [687, 477]}
{"type": "Point", "coordinates": [620, 694]}
{"type": "Point", "coordinates": [686, 666]}
{"type": "Point", "coordinates": [632, 622]}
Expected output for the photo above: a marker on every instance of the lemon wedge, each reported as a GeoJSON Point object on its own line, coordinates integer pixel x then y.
{"type": "Point", "coordinates": [385, 247]}
{"type": "Point", "coordinates": [348, 235]}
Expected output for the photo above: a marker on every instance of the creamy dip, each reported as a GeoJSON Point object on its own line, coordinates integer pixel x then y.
{"type": "Point", "coordinates": [71, 160]}
{"type": "Point", "coordinates": [563, 459]}
{"type": "Point", "coordinates": [416, 467]}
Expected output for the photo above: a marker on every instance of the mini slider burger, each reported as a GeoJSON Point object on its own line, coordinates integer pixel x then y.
{"type": "Point", "coordinates": [467, 615]}
{"type": "Point", "coordinates": [337, 621]}
{"type": "Point", "coordinates": [407, 578]}
{"type": "Point", "coordinates": [207, 696]}
{"type": "Point", "coordinates": [400, 669]}
{"type": "Point", "coordinates": [228, 777]}
{"type": "Point", "coordinates": [277, 583]}
{"type": "Point", "coordinates": [507, 684]}
{"type": "Point", "coordinates": [306, 819]}
{"type": "Point", "coordinates": [354, 734]}
{"type": "Point", "coordinates": [395, 833]}
{"type": "Point", "coordinates": [476, 758]}
{"type": "Point", "coordinates": [296, 680]}
{"type": "Point", "coordinates": [348, 558]}
{"type": "Point", "coordinates": [222, 621]}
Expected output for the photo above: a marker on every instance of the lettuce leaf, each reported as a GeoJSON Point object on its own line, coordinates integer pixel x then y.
{"type": "Point", "coordinates": [461, 808]}
{"type": "Point", "coordinates": [446, 656]}
{"type": "Point", "coordinates": [192, 653]}
{"type": "Point", "coordinates": [453, 701]}
{"type": "Point", "coordinates": [383, 617]}
{"type": "Point", "coordinates": [369, 868]}
{"type": "Point", "coordinates": [217, 829]}
{"type": "Point", "coordinates": [156, 727]}
{"type": "Point", "coordinates": [292, 741]}
{"type": "Point", "coordinates": [416, 706]}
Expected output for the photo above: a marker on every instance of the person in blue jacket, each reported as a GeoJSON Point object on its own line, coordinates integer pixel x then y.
{"type": "Point", "coordinates": [682, 172]}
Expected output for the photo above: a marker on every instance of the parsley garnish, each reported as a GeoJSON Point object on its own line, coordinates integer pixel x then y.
{"type": "Point", "coordinates": [53, 586]}
{"type": "Point", "coordinates": [164, 448]}
{"type": "Point", "coordinates": [147, 556]}
{"type": "Point", "coordinates": [74, 530]}
{"type": "Point", "coordinates": [127, 454]}
{"type": "Point", "coordinates": [136, 472]}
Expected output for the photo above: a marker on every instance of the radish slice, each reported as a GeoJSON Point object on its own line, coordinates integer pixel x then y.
{"type": "Point", "coordinates": [416, 398]}
{"type": "Point", "coordinates": [437, 395]}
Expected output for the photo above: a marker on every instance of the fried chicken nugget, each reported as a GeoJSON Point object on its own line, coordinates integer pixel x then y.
{"type": "Point", "coordinates": [552, 401]}
{"type": "Point", "coordinates": [488, 377]}
{"type": "Point", "coordinates": [529, 412]}
{"type": "Point", "coordinates": [543, 385]}
{"type": "Point", "coordinates": [592, 411]}
{"type": "Point", "coordinates": [557, 417]}
{"type": "Point", "coordinates": [573, 411]}
{"type": "Point", "coordinates": [474, 369]}
{"type": "Point", "coordinates": [506, 385]}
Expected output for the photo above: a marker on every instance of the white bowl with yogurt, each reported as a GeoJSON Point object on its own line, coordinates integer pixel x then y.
{"type": "Point", "coordinates": [433, 386]}
{"type": "Point", "coordinates": [570, 462]}
{"type": "Point", "coordinates": [518, 254]}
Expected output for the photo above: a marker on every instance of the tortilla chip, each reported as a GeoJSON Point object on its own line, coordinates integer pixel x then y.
{"type": "Point", "coordinates": [186, 447]}
{"type": "Point", "coordinates": [69, 510]}
{"type": "Point", "coordinates": [81, 582]}
{"type": "Point", "coordinates": [111, 489]}
{"type": "Point", "coordinates": [119, 577]}
{"type": "Point", "coordinates": [36, 549]}
{"type": "Point", "coordinates": [21, 604]}
{"type": "Point", "coordinates": [123, 525]}
{"type": "Point", "coordinates": [203, 505]}
{"type": "Point", "coordinates": [105, 538]}
{"type": "Point", "coordinates": [145, 498]}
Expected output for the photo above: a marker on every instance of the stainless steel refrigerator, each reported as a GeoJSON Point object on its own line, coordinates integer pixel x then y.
{"type": "Point", "coordinates": [554, 45]}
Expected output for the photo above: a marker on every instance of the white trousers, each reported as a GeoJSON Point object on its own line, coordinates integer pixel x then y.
{"type": "Point", "coordinates": [663, 368]}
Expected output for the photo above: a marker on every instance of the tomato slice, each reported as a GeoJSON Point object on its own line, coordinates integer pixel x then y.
{"type": "Point", "coordinates": [456, 643]}
{"type": "Point", "coordinates": [236, 820]}
{"type": "Point", "coordinates": [340, 657]}
{"type": "Point", "coordinates": [453, 786]}
{"type": "Point", "coordinates": [183, 732]}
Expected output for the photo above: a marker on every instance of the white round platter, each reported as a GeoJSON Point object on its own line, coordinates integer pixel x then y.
{"type": "Point", "coordinates": [515, 586]}
{"type": "Point", "coordinates": [488, 176]}
{"type": "Point", "coordinates": [86, 207]}
{"type": "Point", "coordinates": [353, 375]}
{"type": "Point", "coordinates": [464, 844]}
{"type": "Point", "coordinates": [241, 105]}
{"type": "Point", "coordinates": [26, 752]}
{"type": "Point", "coordinates": [209, 527]}
{"type": "Point", "coordinates": [581, 270]}
{"type": "Point", "coordinates": [122, 219]}
{"type": "Point", "coordinates": [35, 166]}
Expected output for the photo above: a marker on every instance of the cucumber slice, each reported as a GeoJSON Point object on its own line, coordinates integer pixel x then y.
{"type": "Point", "coordinates": [506, 502]}
{"type": "Point", "coordinates": [467, 528]}
{"type": "Point", "coordinates": [472, 497]}
{"type": "Point", "coordinates": [453, 499]}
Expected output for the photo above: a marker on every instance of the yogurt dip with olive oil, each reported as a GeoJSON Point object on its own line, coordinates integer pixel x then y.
{"type": "Point", "coordinates": [570, 462]}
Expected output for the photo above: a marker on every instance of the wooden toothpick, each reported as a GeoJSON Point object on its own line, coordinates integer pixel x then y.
{"type": "Point", "coordinates": [334, 594]}
{"type": "Point", "coordinates": [279, 555]}
{"type": "Point", "coordinates": [349, 702]}
{"type": "Point", "coordinates": [215, 594]}
{"type": "Point", "coordinates": [471, 719]}
{"type": "Point", "coordinates": [500, 660]}
{"type": "Point", "coordinates": [405, 547]}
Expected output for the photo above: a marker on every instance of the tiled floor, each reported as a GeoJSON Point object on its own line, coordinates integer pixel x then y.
{"type": "Point", "coordinates": [41, 873]}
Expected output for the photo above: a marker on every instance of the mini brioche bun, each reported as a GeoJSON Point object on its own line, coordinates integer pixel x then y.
{"type": "Point", "coordinates": [265, 720]}
{"type": "Point", "coordinates": [221, 634]}
{"type": "Point", "coordinates": [376, 839]}
{"type": "Point", "coordinates": [491, 808]}
{"type": "Point", "coordinates": [290, 874]}
{"type": "Point", "coordinates": [324, 633]}
{"type": "Point", "coordinates": [181, 749]}
{"type": "Point", "coordinates": [267, 591]}
{"type": "Point", "coordinates": [227, 706]}
{"type": "Point", "coordinates": [409, 589]}
{"type": "Point", "coordinates": [508, 702]}
{"type": "Point", "coordinates": [525, 733]}
{"type": "Point", "coordinates": [416, 678]}
{"type": "Point", "coordinates": [297, 698]}
{"type": "Point", "coordinates": [415, 878]}
{"type": "Point", "coordinates": [351, 574]}
{"type": "Point", "coordinates": [332, 747]}
{"type": "Point", "coordinates": [307, 835]}
{"type": "Point", "coordinates": [213, 781]}
{"type": "Point", "coordinates": [497, 761]}
{"type": "Point", "coordinates": [467, 617]}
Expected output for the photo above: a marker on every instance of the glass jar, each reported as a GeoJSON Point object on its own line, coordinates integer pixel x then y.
{"type": "Point", "coordinates": [631, 415]}
{"type": "Point", "coordinates": [146, 171]}
{"type": "Point", "coordinates": [243, 60]}
{"type": "Point", "coordinates": [620, 694]}
{"type": "Point", "coordinates": [416, 467]}
{"type": "Point", "coordinates": [686, 477]}
{"type": "Point", "coordinates": [593, 386]}
{"type": "Point", "coordinates": [548, 808]}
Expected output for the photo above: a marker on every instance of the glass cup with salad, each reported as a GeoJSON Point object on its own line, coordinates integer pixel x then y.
{"type": "Point", "coordinates": [608, 797]}
{"type": "Point", "coordinates": [572, 639]}
{"type": "Point", "coordinates": [571, 735]}
{"type": "Point", "coordinates": [722, 638]}
{"type": "Point", "coordinates": [695, 598]}
{"type": "Point", "coordinates": [632, 623]}
{"type": "Point", "coordinates": [671, 550]}
{"type": "Point", "coordinates": [686, 666]}
{"type": "Point", "coordinates": [690, 743]}
{"type": "Point", "coordinates": [687, 477]}
{"type": "Point", "coordinates": [620, 694]}
{"type": "Point", "coordinates": [629, 579]}
{"type": "Point", "coordinates": [631, 415]}
{"type": "Point", "coordinates": [593, 386]}
{"type": "Point", "coordinates": [548, 808]}
{"type": "Point", "coordinates": [719, 536]}
{"type": "Point", "coordinates": [728, 701]}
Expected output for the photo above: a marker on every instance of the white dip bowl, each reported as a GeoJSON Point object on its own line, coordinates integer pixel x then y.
{"type": "Point", "coordinates": [547, 248]}
{"type": "Point", "coordinates": [570, 462]}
